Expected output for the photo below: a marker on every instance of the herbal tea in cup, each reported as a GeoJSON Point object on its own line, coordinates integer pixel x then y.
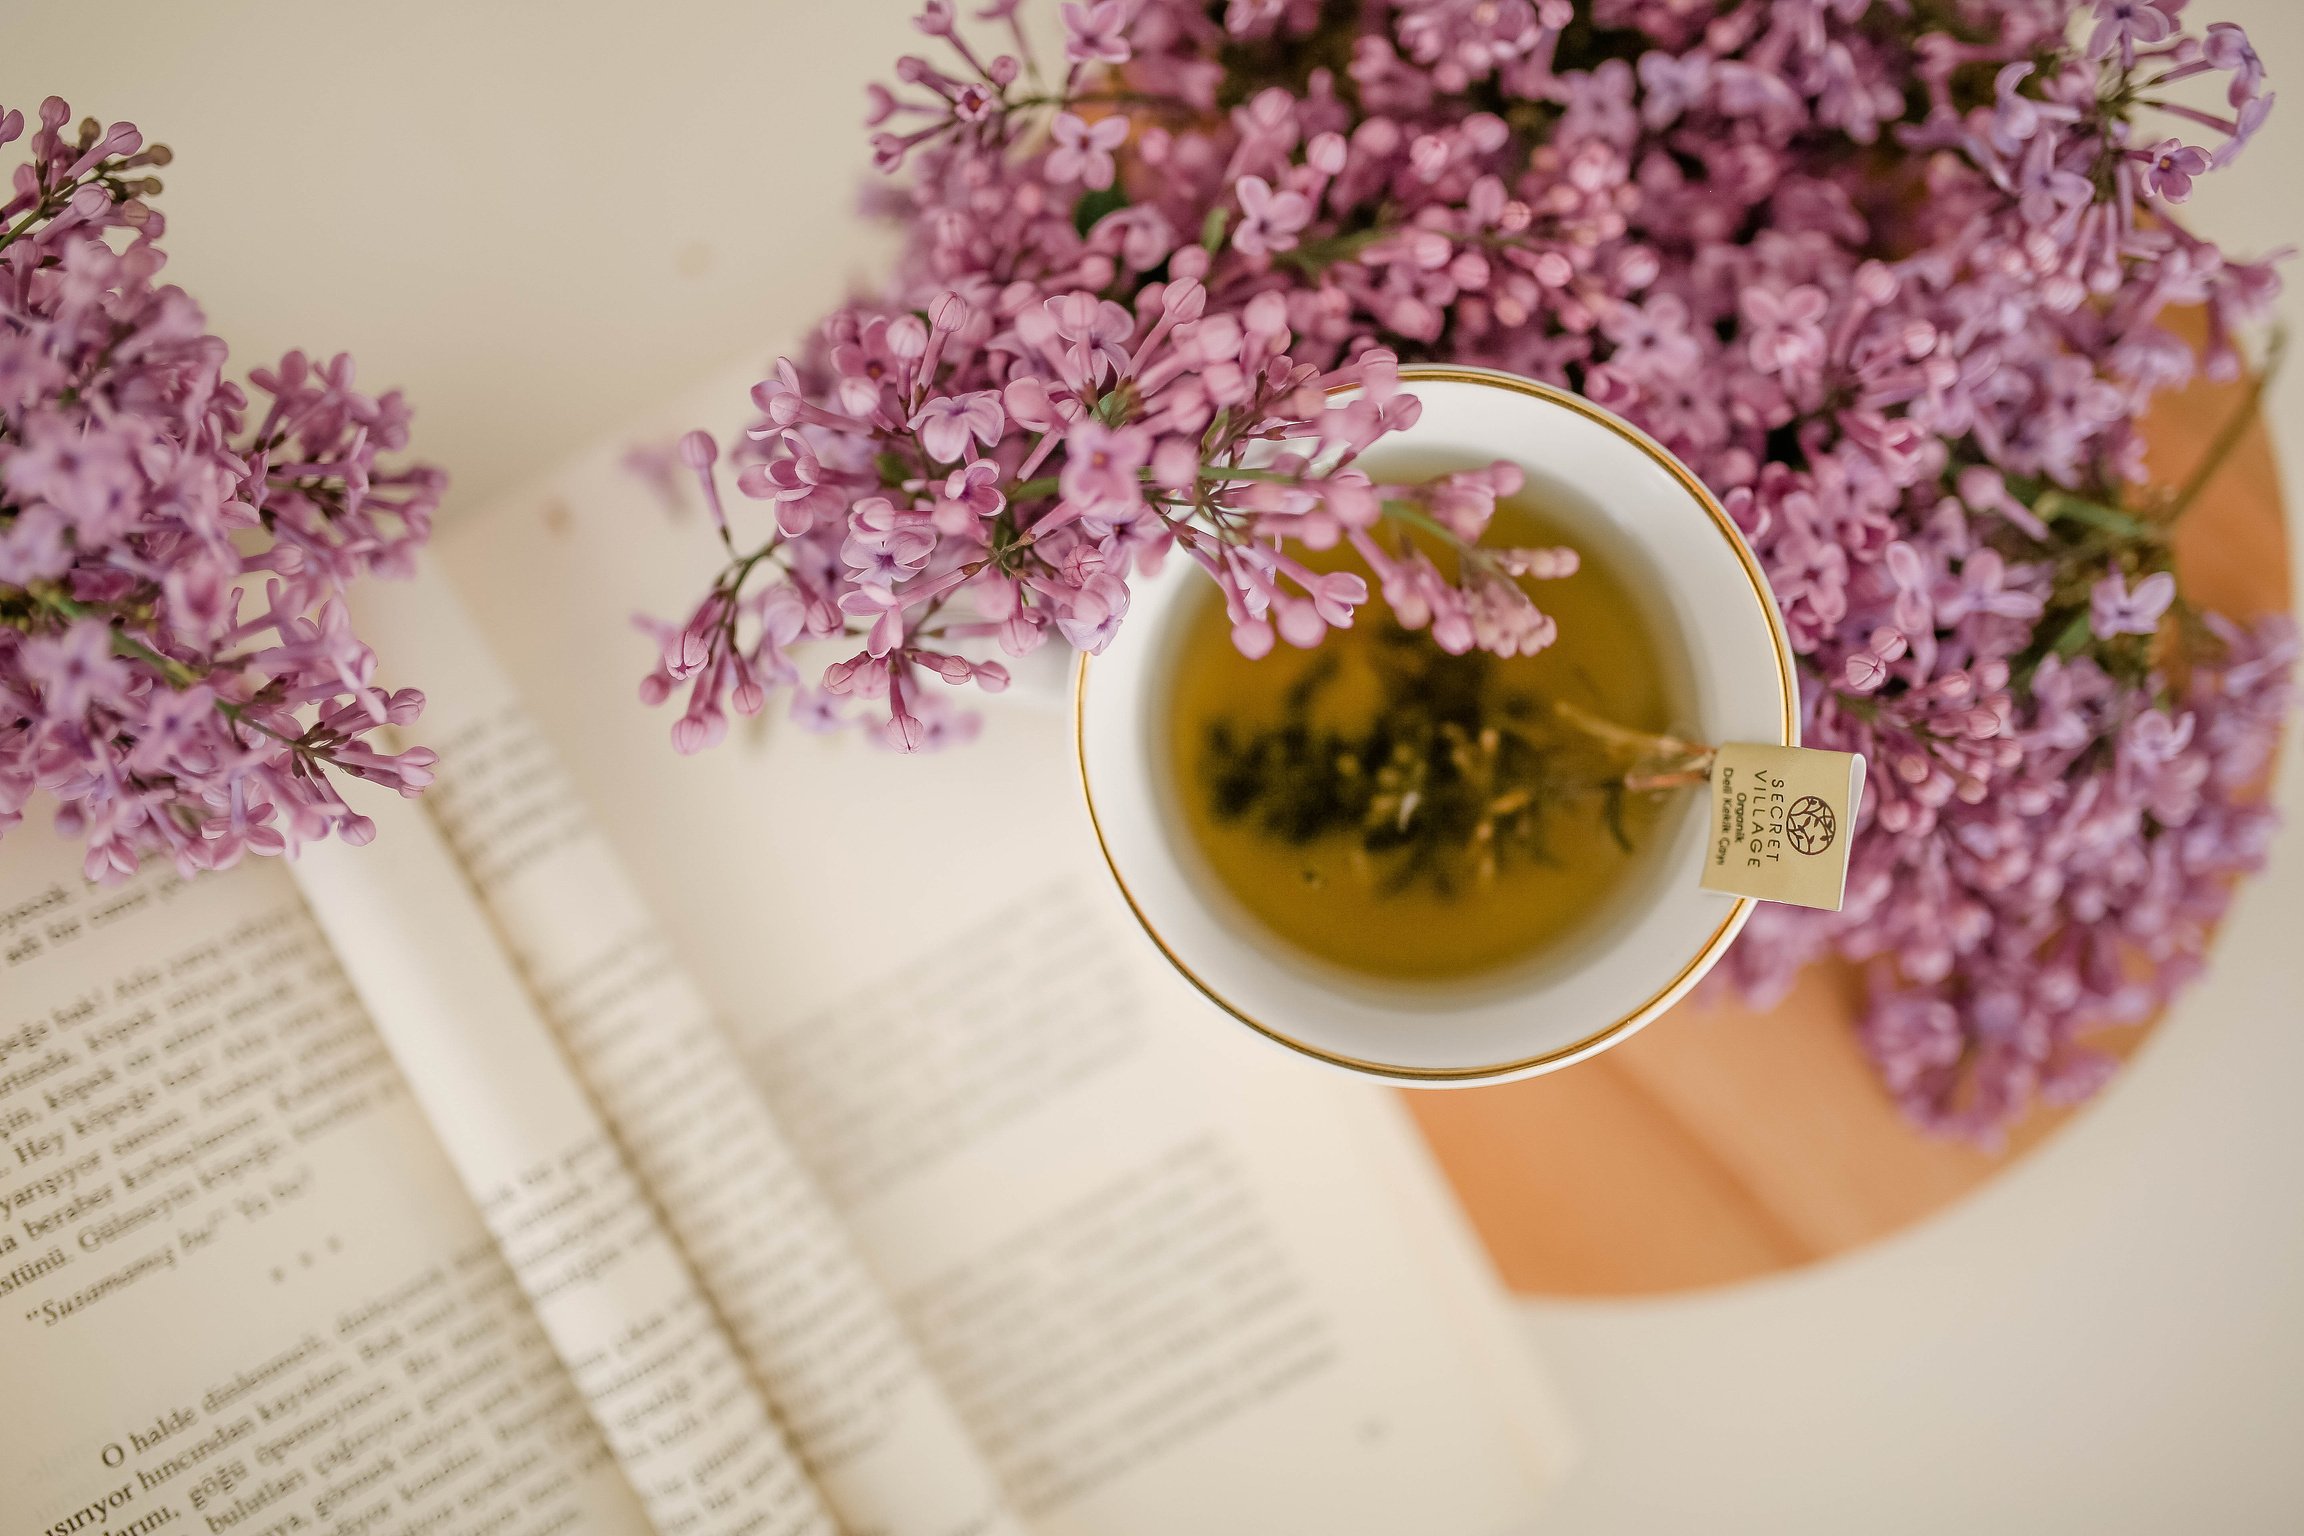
{"type": "Point", "coordinates": [1384, 805]}
{"type": "Point", "coordinates": [1450, 868]}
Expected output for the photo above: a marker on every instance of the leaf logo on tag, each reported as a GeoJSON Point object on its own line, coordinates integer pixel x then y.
{"type": "Point", "coordinates": [1811, 826]}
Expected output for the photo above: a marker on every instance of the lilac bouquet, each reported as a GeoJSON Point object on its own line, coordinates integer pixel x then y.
{"type": "Point", "coordinates": [176, 668]}
{"type": "Point", "coordinates": [1889, 276]}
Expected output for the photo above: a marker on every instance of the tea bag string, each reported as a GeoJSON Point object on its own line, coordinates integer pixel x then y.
{"type": "Point", "coordinates": [1661, 761]}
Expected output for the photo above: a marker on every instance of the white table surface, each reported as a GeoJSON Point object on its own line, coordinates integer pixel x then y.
{"type": "Point", "coordinates": [542, 219]}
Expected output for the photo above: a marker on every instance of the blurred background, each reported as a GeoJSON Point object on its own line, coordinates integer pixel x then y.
{"type": "Point", "coordinates": [544, 220]}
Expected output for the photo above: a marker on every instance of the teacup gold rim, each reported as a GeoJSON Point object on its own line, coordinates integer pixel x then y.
{"type": "Point", "coordinates": [1788, 690]}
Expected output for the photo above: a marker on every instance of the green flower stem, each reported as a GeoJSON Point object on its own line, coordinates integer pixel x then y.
{"type": "Point", "coordinates": [2235, 426]}
{"type": "Point", "coordinates": [2055, 505]}
{"type": "Point", "coordinates": [177, 673]}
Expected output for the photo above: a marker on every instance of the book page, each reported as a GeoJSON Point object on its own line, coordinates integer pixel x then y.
{"type": "Point", "coordinates": [1174, 1281]}
{"type": "Point", "coordinates": [680, 1412]}
{"type": "Point", "coordinates": [873, 1427]}
{"type": "Point", "coordinates": [241, 1290]}
{"type": "Point", "coordinates": [1172, 1278]}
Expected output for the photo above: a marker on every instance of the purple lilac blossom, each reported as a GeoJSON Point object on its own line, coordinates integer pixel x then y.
{"type": "Point", "coordinates": [176, 665]}
{"type": "Point", "coordinates": [1891, 279]}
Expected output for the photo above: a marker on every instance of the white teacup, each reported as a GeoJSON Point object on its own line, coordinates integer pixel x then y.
{"type": "Point", "coordinates": [1620, 495]}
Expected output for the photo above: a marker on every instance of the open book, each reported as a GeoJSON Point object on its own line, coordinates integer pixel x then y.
{"type": "Point", "coordinates": [794, 1140]}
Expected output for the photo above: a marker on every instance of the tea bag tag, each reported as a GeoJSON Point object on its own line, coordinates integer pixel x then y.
{"type": "Point", "coordinates": [1782, 820]}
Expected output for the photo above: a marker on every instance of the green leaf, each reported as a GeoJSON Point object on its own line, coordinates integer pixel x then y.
{"type": "Point", "coordinates": [2057, 505]}
{"type": "Point", "coordinates": [1212, 228]}
{"type": "Point", "coordinates": [2076, 635]}
{"type": "Point", "coordinates": [1094, 205]}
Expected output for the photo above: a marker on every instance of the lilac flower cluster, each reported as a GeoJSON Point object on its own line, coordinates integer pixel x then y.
{"type": "Point", "coordinates": [998, 468]}
{"type": "Point", "coordinates": [176, 668]}
{"type": "Point", "coordinates": [1892, 278]}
